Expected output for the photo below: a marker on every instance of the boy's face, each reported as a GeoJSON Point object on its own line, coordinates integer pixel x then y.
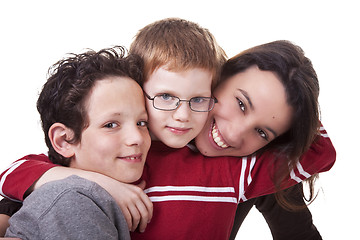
{"type": "Point", "coordinates": [178, 127]}
{"type": "Point", "coordinates": [116, 141]}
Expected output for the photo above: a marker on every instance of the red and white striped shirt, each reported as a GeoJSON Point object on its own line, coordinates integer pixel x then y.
{"type": "Point", "coordinates": [195, 197]}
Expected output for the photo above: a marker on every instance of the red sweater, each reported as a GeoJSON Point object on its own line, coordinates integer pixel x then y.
{"type": "Point", "coordinates": [195, 197]}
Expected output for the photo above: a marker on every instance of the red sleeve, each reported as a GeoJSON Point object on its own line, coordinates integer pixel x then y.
{"type": "Point", "coordinates": [319, 158]}
{"type": "Point", "coordinates": [21, 174]}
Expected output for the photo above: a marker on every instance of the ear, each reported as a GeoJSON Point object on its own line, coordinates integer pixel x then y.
{"type": "Point", "coordinates": [59, 136]}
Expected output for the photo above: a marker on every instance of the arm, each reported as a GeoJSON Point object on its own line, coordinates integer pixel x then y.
{"type": "Point", "coordinates": [134, 203]}
{"type": "Point", "coordinates": [241, 213]}
{"type": "Point", "coordinates": [320, 157]}
{"type": "Point", "coordinates": [7, 209]}
{"type": "Point", "coordinates": [4, 224]}
{"type": "Point", "coordinates": [20, 176]}
{"type": "Point", "coordinates": [73, 208]}
{"type": "Point", "coordinates": [284, 224]}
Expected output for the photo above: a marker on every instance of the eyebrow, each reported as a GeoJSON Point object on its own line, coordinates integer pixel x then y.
{"type": "Point", "coordinates": [272, 131]}
{"type": "Point", "coordinates": [246, 95]}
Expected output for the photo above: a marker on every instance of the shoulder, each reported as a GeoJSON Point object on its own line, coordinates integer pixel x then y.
{"type": "Point", "coordinates": [69, 191]}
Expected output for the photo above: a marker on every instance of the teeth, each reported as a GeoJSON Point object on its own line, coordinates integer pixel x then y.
{"type": "Point", "coordinates": [217, 139]}
{"type": "Point", "coordinates": [215, 133]}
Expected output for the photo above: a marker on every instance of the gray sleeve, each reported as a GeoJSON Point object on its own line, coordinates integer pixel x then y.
{"type": "Point", "coordinates": [78, 209]}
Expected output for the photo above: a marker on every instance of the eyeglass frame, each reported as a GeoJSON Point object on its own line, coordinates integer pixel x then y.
{"type": "Point", "coordinates": [180, 100]}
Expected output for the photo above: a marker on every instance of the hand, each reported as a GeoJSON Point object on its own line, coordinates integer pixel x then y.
{"type": "Point", "coordinates": [135, 205]}
{"type": "Point", "coordinates": [133, 202]}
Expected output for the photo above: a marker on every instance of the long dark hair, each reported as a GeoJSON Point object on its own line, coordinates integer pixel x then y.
{"type": "Point", "coordinates": [300, 81]}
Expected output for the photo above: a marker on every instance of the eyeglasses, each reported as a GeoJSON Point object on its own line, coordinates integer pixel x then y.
{"type": "Point", "coordinates": [167, 102]}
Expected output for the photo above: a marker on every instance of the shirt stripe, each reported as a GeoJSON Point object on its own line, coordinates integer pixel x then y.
{"type": "Point", "coordinates": [294, 177]}
{"type": "Point", "coordinates": [12, 167]}
{"type": "Point", "coordinates": [253, 160]}
{"type": "Point", "coordinates": [193, 198]}
{"type": "Point", "coordinates": [302, 171]}
{"type": "Point", "coordinates": [189, 189]}
{"type": "Point", "coordinates": [242, 180]}
{"type": "Point", "coordinates": [325, 135]}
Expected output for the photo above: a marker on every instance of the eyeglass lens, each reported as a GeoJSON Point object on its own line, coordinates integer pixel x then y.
{"type": "Point", "coordinates": [168, 102]}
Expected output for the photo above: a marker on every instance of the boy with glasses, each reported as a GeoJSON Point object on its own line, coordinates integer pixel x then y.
{"type": "Point", "coordinates": [190, 80]}
{"type": "Point", "coordinates": [181, 67]}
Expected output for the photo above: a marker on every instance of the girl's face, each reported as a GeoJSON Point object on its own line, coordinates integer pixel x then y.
{"type": "Point", "coordinates": [251, 112]}
{"type": "Point", "coordinates": [117, 140]}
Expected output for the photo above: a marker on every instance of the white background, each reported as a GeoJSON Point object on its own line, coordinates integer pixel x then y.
{"type": "Point", "coordinates": [35, 34]}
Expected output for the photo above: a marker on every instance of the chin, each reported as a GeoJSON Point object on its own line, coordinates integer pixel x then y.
{"type": "Point", "coordinates": [130, 177]}
{"type": "Point", "coordinates": [211, 153]}
{"type": "Point", "coordinates": [206, 150]}
{"type": "Point", "coordinates": [175, 145]}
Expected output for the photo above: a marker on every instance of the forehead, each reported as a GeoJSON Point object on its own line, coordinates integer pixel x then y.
{"type": "Point", "coordinates": [264, 95]}
{"type": "Point", "coordinates": [257, 81]}
{"type": "Point", "coordinates": [191, 80]}
{"type": "Point", "coordinates": [115, 94]}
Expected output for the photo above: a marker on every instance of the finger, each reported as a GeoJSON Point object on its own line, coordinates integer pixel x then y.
{"type": "Point", "coordinates": [146, 215]}
{"type": "Point", "coordinates": [135, 217]}
{"type": "Point", "coordinates": [149, 206]}
{"type": "Point", "coordinates": [128, 218]}
{"type": "Point", "coordinates": [146, 200]}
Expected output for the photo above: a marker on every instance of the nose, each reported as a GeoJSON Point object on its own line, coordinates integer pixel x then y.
{"type": "Point", "coordinates": [134, 136]}
{"type": "Point", "coordinates": [239, 131]}
{"type": "Point", "coordinates": [182, 113]}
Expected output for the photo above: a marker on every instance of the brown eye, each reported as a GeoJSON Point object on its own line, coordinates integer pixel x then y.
{"type": "Point", "coordinates": [111, 125]}
{"type": "Point", "coordinates": [241, 105]}
{"type": "Point", "coordinates": [142, 124]}
{"type": "Point", "coordinates": [262, 134]}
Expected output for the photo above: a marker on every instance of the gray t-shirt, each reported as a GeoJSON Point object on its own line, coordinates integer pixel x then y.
{"type": "Point", "coordinates": [73, 208]}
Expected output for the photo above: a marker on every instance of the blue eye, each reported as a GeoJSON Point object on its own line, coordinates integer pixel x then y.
{"type": "Point", "coordinates": [198, 100]}
{"type": "Point", "coordinates": [166, 97]}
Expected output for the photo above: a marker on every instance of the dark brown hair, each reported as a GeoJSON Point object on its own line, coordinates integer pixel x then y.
{"type": "Point", "coordinates": [300, 81]}
{"type": "Point", "coordinates": [70, 80]}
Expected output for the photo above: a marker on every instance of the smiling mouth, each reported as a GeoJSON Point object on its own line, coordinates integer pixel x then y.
{"type": "Point", "coordinates": [134, 158]}
{"type": "Point", "coordinates": [178, 131]}
{"type": "Point", "coordinates": [217, 138]}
